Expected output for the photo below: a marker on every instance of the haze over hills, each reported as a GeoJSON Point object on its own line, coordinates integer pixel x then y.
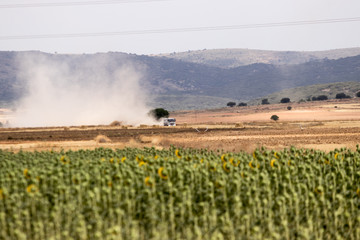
{"type": "Point", "coordinates": [184, 84]}
{"type": "Point", "coordinates": [230, 58]}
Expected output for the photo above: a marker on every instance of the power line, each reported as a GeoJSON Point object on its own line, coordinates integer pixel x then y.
{"type": "Point", "coordinates": [179, 30]}
{"type": "Point", "coordinates": [77, 3]}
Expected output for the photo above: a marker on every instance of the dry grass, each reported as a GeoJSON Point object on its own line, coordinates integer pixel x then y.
{"type": "Point", "coordinates": [102, 139]}
{"type": "Point", "coordinates": [116, 124]}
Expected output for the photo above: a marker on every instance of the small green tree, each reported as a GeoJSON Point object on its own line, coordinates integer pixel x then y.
{"type": "Point", "coordinates": [158, 113]}
{"type": "Point", "coordinates": [265, 101]}
{"type": "Point", "coordinates": [274, 117]}
{"type": "Point", "coordinates": [289, 108]}
{"type": "Point", "coordinates": [242, 104]}
{"type": "Point", "coordinates": [341, 96]}
{"type": "Point", "coordinates": [285, 100]}
{"type": "Point", "coordinates": [231, 104]}
{"type": "Point", "coordinates": [320, 98]}
{"type": "Point", "coordinates": [358, 94]}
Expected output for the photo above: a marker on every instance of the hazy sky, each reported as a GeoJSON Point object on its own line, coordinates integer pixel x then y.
{"type": "Point", "coordinates": [46, 25]}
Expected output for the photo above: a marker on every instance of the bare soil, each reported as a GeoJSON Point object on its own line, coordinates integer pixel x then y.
{"type": "Point", "coordinates": [319, 125]}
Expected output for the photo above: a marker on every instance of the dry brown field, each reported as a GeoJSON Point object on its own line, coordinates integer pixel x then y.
{"type": "Point", "coordinates": [323, 125]}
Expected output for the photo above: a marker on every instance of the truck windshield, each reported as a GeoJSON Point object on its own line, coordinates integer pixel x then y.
{"type": "Point", "coordinates": [171, 120]}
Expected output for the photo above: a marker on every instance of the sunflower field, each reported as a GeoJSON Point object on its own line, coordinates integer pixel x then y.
{"type": "Point", "coordinates": [180, 194]}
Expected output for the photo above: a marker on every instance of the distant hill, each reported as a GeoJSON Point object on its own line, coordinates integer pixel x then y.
{"type": "Point", "coordinates": [230, 58]}
{"type": "Point", "coordinates": [307, 92]}
{"type": "Point", "coordinates": [177, 84]}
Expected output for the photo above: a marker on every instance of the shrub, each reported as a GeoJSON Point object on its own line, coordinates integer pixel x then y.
{"type": "Point", "coordinates": [102, 139]}
{"type": "Point", "coordinates": [115, 124]}
{"type": "Point", "coordinates": [358, 94]}
{"type": "Point", "coordinates": [242, 104]}
{"type": "Point", "coordinates": [158, 113]}
{"type": "Point", "coordinates": [319, 98]}
{"type": "Point", "coordinates": [265, 101]}
{"type": "Point", "coordinates": [274, 117]}
{"type": "Point", "coordinates": [285, 100]}
{"type": "Point", "coordinates": [231, 104]}
{"type": "Point", "coordinates": [341, 96]}
{"type": "Point", "coordinates": [289, 108]}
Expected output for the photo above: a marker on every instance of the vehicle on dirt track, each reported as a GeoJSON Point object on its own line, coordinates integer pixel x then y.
{"type": "Point", "coordinates": [169, 122]}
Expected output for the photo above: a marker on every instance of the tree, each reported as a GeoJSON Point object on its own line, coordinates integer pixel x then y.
{"type": "Point", "coordinates": [285, 100]}
{"type": "Point", "coordinates": [320, 98]}
{"type": "Point", "coordinates": [274, 117]}
{"type": "Point", "coordinates": [242, 104]}
{"type": "Point", "coordinates": [358, 94]}
{"type": "Point", "coordinates": [158, 113]}
{"type": "Point", "coordinates": [231, 104]}
{"type": "Point", "coordinates": [265, 101]}
{"type": "Point", "coordinates": [289, 108]}
{"type": "Point", "coordinates": [341, 96]}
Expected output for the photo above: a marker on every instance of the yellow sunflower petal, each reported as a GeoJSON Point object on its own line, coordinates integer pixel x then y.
{"type": "Point", "coordinates": [162, 173]}
{"type": "Point", "coordinates": [272, 163]}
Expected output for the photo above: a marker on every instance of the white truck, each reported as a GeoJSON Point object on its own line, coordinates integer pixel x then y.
{"type": "Point", "coordinates": [169, 122]}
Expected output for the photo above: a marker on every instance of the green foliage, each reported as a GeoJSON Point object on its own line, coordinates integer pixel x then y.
{"type": "Point", "coordinates": [242, 104]}
{"type": "Point", "coordinates": [265, 101]}
{"type": "Point", "coordinates": [274, 117]}
{"type": "Point", "coordinates": [231, 104]}
{"type": "Point", "coordinates": [285, 100]}
{"type": "Point", "coordinates": [320, 98]}
{"type": "Point", "coordinates": [358, 94]}
{"type": "Point", "coordinates": [180, 194]}
{"type": "Point", "coordinates": [158, 113]}
{"type": "Point", "coordinates": [289, 108]}
{"type": "Point", "coordinates": [342, 96]}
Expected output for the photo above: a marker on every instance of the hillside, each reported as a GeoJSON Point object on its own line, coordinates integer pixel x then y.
{"type": "Point", "coordinates": [175, 84]}
{"type": "Point", "coordinates": [303, 93]}
{"type": "Point", "coordinates": [230, 58]}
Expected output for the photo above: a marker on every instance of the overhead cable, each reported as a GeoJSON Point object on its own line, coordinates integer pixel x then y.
{"type": "Point", "coordinates": [77, 3]}
{"type": "Point", "coordinates": [179, 30]}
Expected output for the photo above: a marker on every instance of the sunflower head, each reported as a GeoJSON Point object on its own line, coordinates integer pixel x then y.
{"type": "Point", "coordinates": [26, 173]}
{"type": "Point", "coordinates": [2, 195]}
{"type": "Point", "coordinates": [31, 188]}
{"type": "Point", "coordinates": [163, 173]}
{"type": "Point", "coordinates": [177, 153]}
{"type": "Point", "coordinates": [272, 163]}
{"type": "Point", "coordinates": [149, 182]}
{"type": "Point", "coordinates": [212, 167]}
{"type": "Point", "coordinates": [65, 160]}
{"type": "Point", "coordinates": [234, 162]}
{"type": "Point", "coordinates": [253, 165]}
{"type": "Point", "coordinates": [226, 167]}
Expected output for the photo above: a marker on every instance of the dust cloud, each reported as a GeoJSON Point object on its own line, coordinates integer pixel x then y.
{"type": "Point", "coordinates": [77, 90]}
